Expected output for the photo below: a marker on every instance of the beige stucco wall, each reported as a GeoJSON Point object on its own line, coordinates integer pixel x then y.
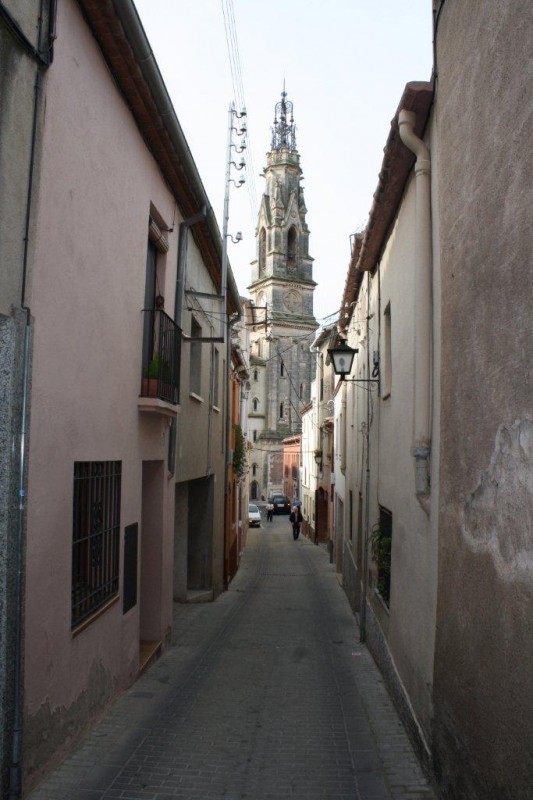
{"type": "Point", "coordinates": [413, 572]}
{"type": "Point", "coordinates": [406, 638]}
{"type": "Point", "coordinates": [309, 468]}
{"type": "Point", "coordinates": [200, 426]}
{"type": "Point", "coordinates": [97, 182]}
{"type": "Point", "coordinates": [483, 686]}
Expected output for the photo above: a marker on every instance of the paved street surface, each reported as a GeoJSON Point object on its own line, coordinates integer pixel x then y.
{"type": "Point", "coordinates": [266, 693]}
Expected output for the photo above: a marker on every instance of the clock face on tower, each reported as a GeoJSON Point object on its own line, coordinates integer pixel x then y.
{"type": "Point", "coordinates": [292, 301]}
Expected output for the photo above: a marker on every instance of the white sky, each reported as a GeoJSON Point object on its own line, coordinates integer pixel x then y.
{"type": "Point", "coordinates": [345, 63]}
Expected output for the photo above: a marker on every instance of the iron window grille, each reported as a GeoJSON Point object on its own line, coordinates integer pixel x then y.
{"type": "Point", "coordinates": [95, 540]}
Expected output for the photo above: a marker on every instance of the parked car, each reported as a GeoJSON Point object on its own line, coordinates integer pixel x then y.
{"type": "Point", "coordinates": [254, 516]}
{"type": "Point", "coordinates": [281, 503]}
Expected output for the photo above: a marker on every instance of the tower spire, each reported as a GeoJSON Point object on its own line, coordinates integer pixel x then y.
{"type": "Point", "coordinates": [283, 130]}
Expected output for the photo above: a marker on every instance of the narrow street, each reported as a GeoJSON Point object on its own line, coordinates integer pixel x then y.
{"type": "Point", "coordinates": [266, 693]}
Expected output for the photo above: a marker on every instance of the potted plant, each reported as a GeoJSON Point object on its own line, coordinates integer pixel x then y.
{"type": "Point", "coordinates": [153, 373]}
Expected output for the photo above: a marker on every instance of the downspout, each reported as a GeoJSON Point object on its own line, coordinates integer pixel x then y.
{"type": "Point", "coordinates": [366, 535]}
{"type": "Point", "coordinates": [15, 766]}
{"type": "Point", "coordinates": [421, 449]}
{"type": "Point", "coordinates": [344, 430]}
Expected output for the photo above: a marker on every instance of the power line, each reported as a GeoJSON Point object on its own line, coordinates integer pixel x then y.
{"type": "Point", "coordinates": [232, 43]}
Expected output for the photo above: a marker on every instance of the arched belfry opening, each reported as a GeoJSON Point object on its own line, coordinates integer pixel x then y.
{"type": "Point", "coordinates": [262, 251]}
{"type": "Point", "coordinates": [292, 248]}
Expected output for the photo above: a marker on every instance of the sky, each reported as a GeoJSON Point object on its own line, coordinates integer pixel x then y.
{"type": "Point", "coordinates": [345, 64]}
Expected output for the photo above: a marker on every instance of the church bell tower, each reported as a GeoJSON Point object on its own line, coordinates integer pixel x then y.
{"type": "Point", "coordinates": [282, 291]}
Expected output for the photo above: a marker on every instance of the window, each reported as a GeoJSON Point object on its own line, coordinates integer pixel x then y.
{"type": "Point", "coordinates": [254, 470]}
{"type": "Point", "coordinates": [381, 541]}
{"type": "Point", "coordinates": [95, 536]}
{"type": "Point", "coordinates": [195, 365]}
{"type": "Point", "coordinates": [321, 371]}
{"type": "Point", "coordinates": [216, 378]}
{"type": "Point", "coordinates": [281, 410]}
{"type": "Point", "coordinates": [255, 403]}
{"type": "Point", "coordinates": [256, 375]}
{"type": "Point", "coordinates": [254, 436]}
{"type": "Point", "coordinates": [387, 354]}
{"type": "Point", "coordinates": [281, 368]}
{"type": "Point", "coordinates": [154, 285]}
{"type": "Point", "coordinates": [262, 251]}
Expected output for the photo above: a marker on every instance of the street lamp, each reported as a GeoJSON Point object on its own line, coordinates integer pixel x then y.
{"type": "Point", "coordinates": [342, 358]}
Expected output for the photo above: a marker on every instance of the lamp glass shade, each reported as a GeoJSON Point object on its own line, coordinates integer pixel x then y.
{"type": "Point", "coordinates": [342, 358]}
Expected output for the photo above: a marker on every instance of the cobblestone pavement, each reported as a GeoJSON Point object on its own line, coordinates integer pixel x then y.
{"type": "Point", "coordinates": [265, 694]}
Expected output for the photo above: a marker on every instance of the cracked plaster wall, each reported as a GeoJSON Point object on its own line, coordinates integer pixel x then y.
{"type": "Point", "coordinates": [482, 732]}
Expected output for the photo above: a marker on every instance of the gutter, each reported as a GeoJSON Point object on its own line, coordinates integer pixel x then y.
{"type": "Point", "coordinates": [118, 30]}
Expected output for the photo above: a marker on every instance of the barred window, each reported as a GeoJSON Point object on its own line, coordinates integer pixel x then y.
{"type": "Point", "coordinates": [95, 539]}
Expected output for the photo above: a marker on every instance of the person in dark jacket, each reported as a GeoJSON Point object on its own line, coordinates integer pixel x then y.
{"type": "Point", "coordinates": [296, 520]}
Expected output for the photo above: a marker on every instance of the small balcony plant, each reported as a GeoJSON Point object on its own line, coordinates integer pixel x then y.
{"type": "Point", "coordinates": [158, 370]}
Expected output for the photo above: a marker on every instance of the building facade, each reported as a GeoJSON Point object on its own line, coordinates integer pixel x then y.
{"type": "Point", "coordinates": [292, 459]}
{"type": "Point", "coordinates": [282, 287]}
{"type": "Point", "coordinates": [435, 452]}
{"type": "Point", "coordinates": [122, 512]}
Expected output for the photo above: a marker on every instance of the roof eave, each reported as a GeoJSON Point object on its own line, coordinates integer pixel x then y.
{"type": "Point", "coordinates": [117, 28]}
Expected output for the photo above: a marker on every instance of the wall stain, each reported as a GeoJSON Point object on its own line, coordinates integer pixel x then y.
{"type": "Point", "coordinates": [50, 733]}
{"type": "Point", "coordinates": [497, 516]}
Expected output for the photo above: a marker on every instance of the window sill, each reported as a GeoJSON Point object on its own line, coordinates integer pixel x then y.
{"type": "Point", "coordinates": [98, 613]}
{"type": "Point", "coordinates": [217, 409]}
{"type": "Point", "coordinates": [196, 397]}
{"type": "Point", "coordinates": [381, 601]}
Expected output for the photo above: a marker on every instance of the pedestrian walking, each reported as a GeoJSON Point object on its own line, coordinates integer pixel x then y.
{"type": "Point", "coordinates": [296, 520]}
{"type": "Point", "coordinates": [270, 511]}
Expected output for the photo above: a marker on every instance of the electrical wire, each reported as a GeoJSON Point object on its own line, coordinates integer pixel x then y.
{"type": "Point", "coordinates": [232, 43]}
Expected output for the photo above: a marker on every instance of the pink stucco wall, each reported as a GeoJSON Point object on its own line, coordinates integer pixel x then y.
{"type": "Point", "coordinates": [97, 182]}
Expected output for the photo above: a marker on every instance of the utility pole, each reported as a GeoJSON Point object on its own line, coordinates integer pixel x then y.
{"type": "Point", "coordinates": [233, 117]}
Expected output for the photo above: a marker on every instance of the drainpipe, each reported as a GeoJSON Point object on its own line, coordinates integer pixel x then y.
{"type": "Point", "coordinates": [344, 430]}
{"type": "Point", "coordinates": [15, 734]}
{"type": "Point", "coordinates": [421, 449]}
{"type": "Point", "coordinates": [366, 539]}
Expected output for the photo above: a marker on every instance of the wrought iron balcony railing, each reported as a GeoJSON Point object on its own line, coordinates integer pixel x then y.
{"type": "Point", "coordinates": [161, 357]}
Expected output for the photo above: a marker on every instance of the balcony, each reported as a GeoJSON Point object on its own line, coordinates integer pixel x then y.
{"type": "Point", "coordinates": [160, 375]}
